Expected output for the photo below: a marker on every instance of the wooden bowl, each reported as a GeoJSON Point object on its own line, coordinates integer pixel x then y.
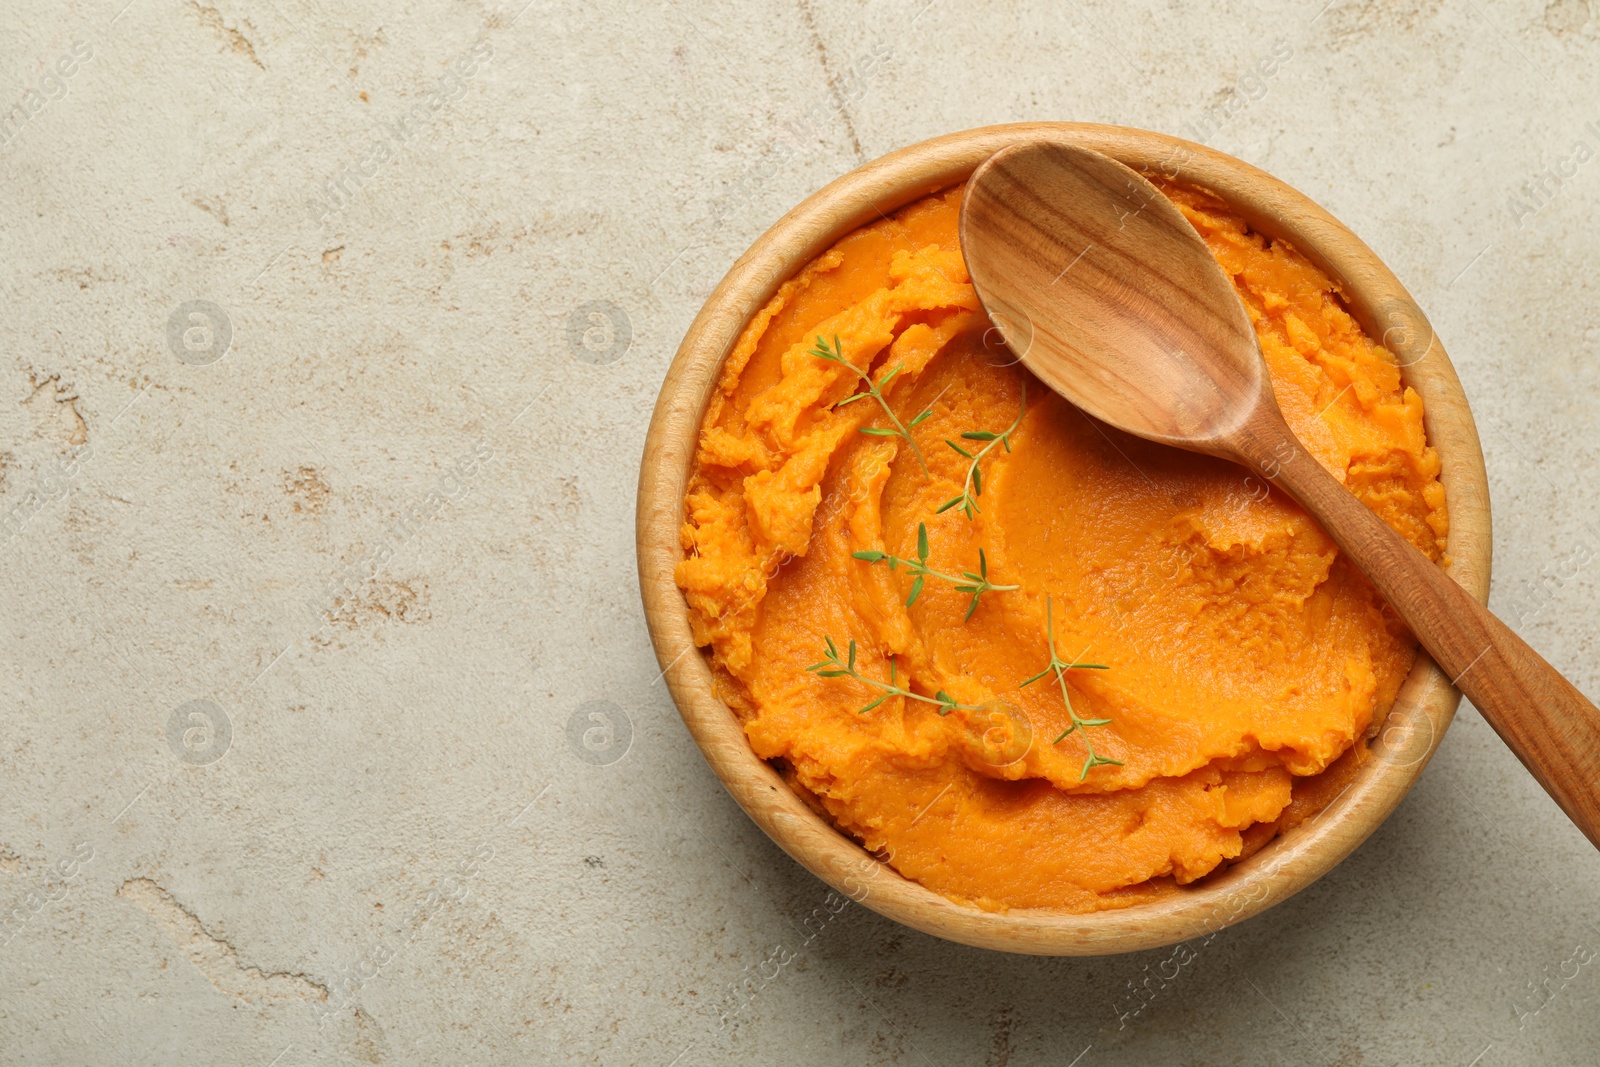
{"type": "Point", "coordinates": [1404, 741]}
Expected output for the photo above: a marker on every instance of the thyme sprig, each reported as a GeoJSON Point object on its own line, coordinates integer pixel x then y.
{"type": "Point", "coordinates": [1059, 668]}
{"type": "Point", "coordinates": [834, 667]}
{"type": "Point", "coordinates": [875, 391]}
{"type": "Point", "coordinates": [972, 488]}
{"type": "Point", "coordinates": [976, 584]}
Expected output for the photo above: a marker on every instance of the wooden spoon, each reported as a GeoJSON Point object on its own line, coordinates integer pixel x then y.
{"type": "Point", "coordinates": [1112, 299]}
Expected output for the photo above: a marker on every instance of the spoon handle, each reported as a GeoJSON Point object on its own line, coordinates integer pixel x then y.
{"type": "Point", "coordinates": [1552, 727]}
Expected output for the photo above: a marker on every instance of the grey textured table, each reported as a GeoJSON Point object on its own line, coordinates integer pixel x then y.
{"type": "Point", "coordinates": [330, 335]}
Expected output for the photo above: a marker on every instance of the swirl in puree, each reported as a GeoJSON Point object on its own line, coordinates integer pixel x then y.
{"type": "Point", "coordinates": [1238, 658]}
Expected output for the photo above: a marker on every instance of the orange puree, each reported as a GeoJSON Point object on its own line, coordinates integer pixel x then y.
{"type": "Point", "coordinates": [1245, 656]}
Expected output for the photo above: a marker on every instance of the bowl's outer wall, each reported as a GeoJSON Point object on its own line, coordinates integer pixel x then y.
{"type": "Point", "coordinates": [1422, 711]}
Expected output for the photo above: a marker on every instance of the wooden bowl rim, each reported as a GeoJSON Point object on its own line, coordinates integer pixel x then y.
{"type": "Point", "coordinates": [1422, 712]}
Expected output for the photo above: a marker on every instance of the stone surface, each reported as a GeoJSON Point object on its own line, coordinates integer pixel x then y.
{"type": "Point", "coordinates": [332, 734]}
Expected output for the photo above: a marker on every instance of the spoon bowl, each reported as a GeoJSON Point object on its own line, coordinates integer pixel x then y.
{"type": "Point", "coordinates": [1159, 347]}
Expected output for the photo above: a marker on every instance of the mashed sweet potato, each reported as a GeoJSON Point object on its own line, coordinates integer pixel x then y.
{"type": "Point", "coordinates": [1245, 657]}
